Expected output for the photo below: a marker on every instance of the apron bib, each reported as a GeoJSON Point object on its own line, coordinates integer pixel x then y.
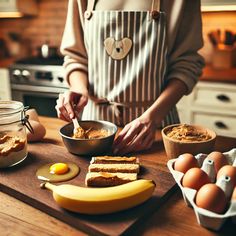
{"type": "Point", "coordinates": [127, 55]}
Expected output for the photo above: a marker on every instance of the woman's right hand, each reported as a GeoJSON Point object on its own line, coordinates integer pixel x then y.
{"type": "Point", "coordinates": [70, 103]}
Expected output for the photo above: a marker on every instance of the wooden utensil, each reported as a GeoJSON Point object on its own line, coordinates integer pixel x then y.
{"type": "Point", "coordinates": [76, 125]}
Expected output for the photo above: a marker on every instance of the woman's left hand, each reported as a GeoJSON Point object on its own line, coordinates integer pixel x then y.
{"type": "Point", "coordinates": [136, 136]}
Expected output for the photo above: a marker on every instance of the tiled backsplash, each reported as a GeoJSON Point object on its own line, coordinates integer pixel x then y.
{"type": "Point", "coordinates": [49, 25]}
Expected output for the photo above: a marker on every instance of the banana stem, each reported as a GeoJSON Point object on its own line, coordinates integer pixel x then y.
{"type": "Point", "coordinates": [48, 185]}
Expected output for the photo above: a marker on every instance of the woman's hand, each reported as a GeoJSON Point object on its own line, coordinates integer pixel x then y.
{"type": "Point", "coordinates": [70, 103]}
{"type": "Point", "coordinates": [136, 136]}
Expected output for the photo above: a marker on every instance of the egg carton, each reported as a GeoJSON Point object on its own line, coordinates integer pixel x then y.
{"type": "Point", "coordinates": [206, 218]}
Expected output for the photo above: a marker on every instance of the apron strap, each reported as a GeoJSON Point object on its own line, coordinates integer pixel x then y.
{"type": "Point", "coordinates": [117, 107]}
{"type": "Point", "coordinates": [156, 5]}
{"type": "Point", "coordinates": [155, 10]}
{"type": "Point", "coordinates": [106, 102]}
{"type": "Point", "coordinates": [90, 7]}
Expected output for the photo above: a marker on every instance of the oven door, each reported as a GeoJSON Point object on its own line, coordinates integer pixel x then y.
{"type": "Point", "coordinates": [42, 99]}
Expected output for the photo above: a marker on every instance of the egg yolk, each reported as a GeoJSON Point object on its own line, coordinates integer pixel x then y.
{"type": "Point", "coordinates": [59, 168]}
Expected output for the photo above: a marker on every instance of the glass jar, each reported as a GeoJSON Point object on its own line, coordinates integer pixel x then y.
{"type": "Point", "coordinates": [13, 137]}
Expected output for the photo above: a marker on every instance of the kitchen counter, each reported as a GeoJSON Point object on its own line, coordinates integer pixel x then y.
{"type": "Point", "coordinates": [173, 218]}
{"type": "Point", "coordinates": [211, 74]}
{"type": "Point", "coordinates": [5, 63]}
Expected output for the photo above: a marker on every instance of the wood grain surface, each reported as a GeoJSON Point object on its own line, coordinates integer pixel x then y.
{"type": "Point", "coordinates": [21, 183]}
{"type": "Point", "coordinates": [173, 218]}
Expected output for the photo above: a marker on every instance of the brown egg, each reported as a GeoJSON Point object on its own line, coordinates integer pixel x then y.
{"type": "Point", "coordinates": [234, 194]}
{"type": "Point", "coordinates": [212, 198]}
{"type": "Point", "coordinates": [219, 159]}
{"type": "Point", "coordinates": [185, 162]}
{"type": "Point", "coordinates": [195, 178]}
{"type": "Point", "coordinates": [33, 115]}
{"type": "Point", "coordinates": [228, 170]}
{"type": "Point", "coordinates": [39, 131]}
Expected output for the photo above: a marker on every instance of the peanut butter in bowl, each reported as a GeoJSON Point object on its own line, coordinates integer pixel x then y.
{"type": "Point", "coordinates": [94, 137]}
{"type": "Point", "coordinates": [184, 138]}
{"type": "Point", "coordinates": [188, 133]}
{"type": "Point", "coordinates": [90, 133]}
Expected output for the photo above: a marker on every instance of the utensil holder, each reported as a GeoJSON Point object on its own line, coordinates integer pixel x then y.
{"type": "Point", "coordinates": [224, 57]}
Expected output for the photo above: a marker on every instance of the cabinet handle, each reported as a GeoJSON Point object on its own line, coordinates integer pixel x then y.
{"type": "Point", "coordinates": [221, 125]}
{"type": "Point", "coordinates": [223, 98]}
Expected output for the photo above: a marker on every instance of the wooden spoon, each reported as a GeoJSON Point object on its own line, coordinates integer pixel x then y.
{"type": "Point", "coordinates": [76, 125]}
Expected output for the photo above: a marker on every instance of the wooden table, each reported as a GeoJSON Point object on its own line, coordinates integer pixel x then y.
{"type": "Point", "coordinates": [173, 218]}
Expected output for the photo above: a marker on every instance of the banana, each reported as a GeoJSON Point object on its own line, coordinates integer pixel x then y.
{"type": "Point", "coordinates": [105, 200]}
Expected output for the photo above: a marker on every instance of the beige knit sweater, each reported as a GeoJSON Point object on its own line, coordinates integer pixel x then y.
{"type": "Point", "coordinates": [184, 35]}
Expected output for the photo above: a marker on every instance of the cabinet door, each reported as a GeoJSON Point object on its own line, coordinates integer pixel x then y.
{"type": "Point", "coordinates": [222, 125]}
{"type": "Point", "coordinates": [182, 117]}
{"type": "Point", "coordinates": [183, 107]}
{"type": "Point", "coordinates": [4, 95]}
{"type": "Point", "coordinates": [5, 90]}
{"type": "Point", "coordinates": [7, 5]}
{"type": "Point", "coordinates": [213, 97]}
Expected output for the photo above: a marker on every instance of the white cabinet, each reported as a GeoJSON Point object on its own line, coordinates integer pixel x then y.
{"type": "Point", "coordinates": [5, 89]}
{"type": "Point", "coordinates": [213, 105]}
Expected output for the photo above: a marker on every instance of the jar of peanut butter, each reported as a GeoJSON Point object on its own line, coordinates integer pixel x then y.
{"type": "Point", "coordinates": [13, 138]}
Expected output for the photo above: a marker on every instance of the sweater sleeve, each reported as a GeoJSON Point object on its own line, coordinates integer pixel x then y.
{"type": "Point", "coordinates": [184, 62]}
{"type": "Point", "coordinates": [72, 45]}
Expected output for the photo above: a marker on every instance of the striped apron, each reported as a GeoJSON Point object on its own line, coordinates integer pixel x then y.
{"type": "Point", "coordinates": [127, 53]}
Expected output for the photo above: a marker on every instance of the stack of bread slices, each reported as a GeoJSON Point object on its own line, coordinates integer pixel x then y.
{"type": "Point", "coordinates": [112, 170]}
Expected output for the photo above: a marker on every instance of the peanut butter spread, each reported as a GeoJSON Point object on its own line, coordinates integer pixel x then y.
{"type": "Point", "coordinates": [114, 159]}
{"type": "Point", "coordinates": [10, 144]}
{"type": "Point", "coordinates": [107, 175]}
{"type": "Point", "coordinates": [188, 133]}
{"type": "Point", "coordinates": [131, 176]}
{"type": "Point", "coordinates": [80, 133]}
{"type": "Point", "coordinates": [110, 158]}
{"type": "Point", "coordinates": [114, 168]}
{"type": "Point", "coordinates": [90, 133]}
{"type": "Point", "coordinates": [104, 179]}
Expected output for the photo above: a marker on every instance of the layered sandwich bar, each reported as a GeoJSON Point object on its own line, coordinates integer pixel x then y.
{"type": "Point", "coordinates": [114, 160]}
{"type": "Point", "coordinates": [104, 179]}
{"type": "Point", "coordinates": [112, 170]}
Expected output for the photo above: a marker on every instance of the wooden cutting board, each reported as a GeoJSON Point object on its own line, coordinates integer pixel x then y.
{"type": "Point", "coordinates": [21, 182]}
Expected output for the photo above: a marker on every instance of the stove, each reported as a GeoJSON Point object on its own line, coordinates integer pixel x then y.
{"type": "Point", "coordinates": [57, 61]}
{"type": "Point", "coordinates": [37, 83]}
{"type": "Point", "coordinates": [38, 71]}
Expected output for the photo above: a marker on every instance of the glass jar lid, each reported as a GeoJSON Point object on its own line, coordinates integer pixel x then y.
{"type": "Point", "coordinates": [8, 108]}
{"type": "Point", "coordinates": [10, 111]}
{"type": "Point", "coordinates": [14, 111]}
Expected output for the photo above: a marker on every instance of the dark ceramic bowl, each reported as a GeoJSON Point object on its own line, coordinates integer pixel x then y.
{"type": "Point", "coordinates": [89, 147]}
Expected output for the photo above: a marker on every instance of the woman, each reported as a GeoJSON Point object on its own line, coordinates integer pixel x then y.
{"type": "Point", "coordinates": [130, 62]}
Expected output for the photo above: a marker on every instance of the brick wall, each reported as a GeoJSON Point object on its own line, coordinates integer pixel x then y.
{"type": "Point", "coordinates": [48, 25]}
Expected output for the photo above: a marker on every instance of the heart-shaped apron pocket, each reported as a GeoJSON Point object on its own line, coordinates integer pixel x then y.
{"type": "Point", "coordinates": [118, 49]}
